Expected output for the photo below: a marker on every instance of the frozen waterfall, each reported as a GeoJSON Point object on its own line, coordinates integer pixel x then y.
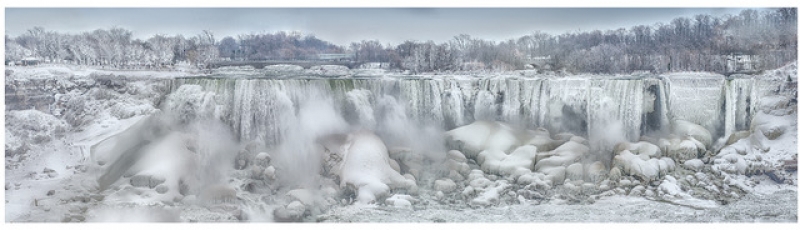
{"type": "Point", "coordinates": [593, 106]}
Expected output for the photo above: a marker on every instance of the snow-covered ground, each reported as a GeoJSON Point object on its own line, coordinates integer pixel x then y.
{"type": "Point", "coordinates": [124, 151]}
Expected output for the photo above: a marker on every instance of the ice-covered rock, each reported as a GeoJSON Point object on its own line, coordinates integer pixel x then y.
{"type": "Point", "coordinates": [565, 155]}
{"type": "Point", "coordinates": [408, 160]}
{"type": "Point", "coordinates": [269, 173]}
{"type": "Point", "coordinates": [682, 150]}
{"type": "Point", "coordinates": [541, 139]}
{"type": "Point", "coordinates": [445, 185]}
{"type": "Point", "coordinates": [777, 105]}
{"type": "Point", "coordinates": [764, 123]}
{"type": "Point", "coordinates": [263, 159]}
{"type": "Point", "coordinates": [456, 156]}
{"type": "Point", "coordinates": [642, 166]}
{"type": "Point", "coordinates": [518, 162]}
{"type": "Point", "coordinates": [366, 167]}
{"type": "Point", "coordinates": [555, 175]}
{"type": "Point", "coordinates": [596, 172]}
{"type": "Point", "coordinates": [483, 135]}
{"type": "Point", "coordinates": [683, 128]}
{"type": "Point", "coordinates": [293, 212]}
{"type": "Point", "coordinates": [639, 148]}
{"type": "Point", "coordinates": [694, 164]}
{"type": "Point", "coordinates": [401, 201]}
{"type": "Point", "coordinates": [575, 172]}
{"type": "Point", "coordinates": [491, 195]}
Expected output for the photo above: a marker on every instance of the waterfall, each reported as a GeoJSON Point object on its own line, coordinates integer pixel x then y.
{"type": "Point", "coordinates": [621, 108]}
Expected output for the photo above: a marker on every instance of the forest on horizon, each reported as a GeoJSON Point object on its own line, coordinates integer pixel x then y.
{"type": "Point", "coordinates": [751, 40]}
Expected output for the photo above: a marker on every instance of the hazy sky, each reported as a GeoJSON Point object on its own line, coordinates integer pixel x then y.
{"type": "Point", "coordinates": [344, 25]}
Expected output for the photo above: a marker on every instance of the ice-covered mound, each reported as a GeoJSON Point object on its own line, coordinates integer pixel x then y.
{"type": "Point", "coordinates": [687, 129]}
{"type": "Point", "coordinates": [366, 167]}
{"type": "Point", "coordinates": [519, 162]}
{"type": "Point", "coordinates": [30, 127]}
{"type": "Point", "coordinates": [768, 147]}
{"type": "Point", "coordinates": [484, 135]}
{"type": "Point", "coordinates": [642, 160]}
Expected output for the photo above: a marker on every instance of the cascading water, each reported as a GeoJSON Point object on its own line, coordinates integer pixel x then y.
{"type": "Point", "coordinates": [258, 109]}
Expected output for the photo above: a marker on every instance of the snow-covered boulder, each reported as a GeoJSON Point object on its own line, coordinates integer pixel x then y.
{"type": "Point", "coordinates": [575, 172]}
{"type": "Point", "coordinates": [540, 138]}
{"type": "Point", "coordinates": [445, 185]}
{"type": "Point", "coordinates": [642, 166]}
{"type": "Point", "coordinates": [694, 164]}
{"type": "Point", "coordinates": [639, 148]}
{"type": "Point", "coordinates": [491, 195]}
{"type": "Point", "coordinates": [683, 151]}
{"type": "Point", "coordinates": [366, 168]}
{"type": "Point", "coordinates": [410, 161]}
{"type": "Point", "coordinates": [554, 175]}
{"type": "Point", "coordinates": [401, 201]}
{"type": "Point", "coordinates": [765, 123]}
{"type": "Point", "coordinates": [293, 212]}
{"type": "Point", "coordinates": [683, 128]}
{"type": "Point", "coordinates": [483, 135]}
{"type": "Point", "coordinates": [566, 154]}
{"type": "Point", "coordinates": [520, 161]}
{"type": "Point", "coordinates": [777, 105]}
{"type": "Point", "coordinates": [596, 172]}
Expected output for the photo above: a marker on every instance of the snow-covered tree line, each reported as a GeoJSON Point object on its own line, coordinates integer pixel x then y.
{"type": "Point", "coordinates": [751, 40]}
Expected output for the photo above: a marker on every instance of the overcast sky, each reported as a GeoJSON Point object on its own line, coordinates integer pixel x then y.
{"type": "Point", "coordinates": [344, 25]}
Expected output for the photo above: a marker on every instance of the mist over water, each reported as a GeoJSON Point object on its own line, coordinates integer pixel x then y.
{"type": "Point", "coordinates": [299, 157]}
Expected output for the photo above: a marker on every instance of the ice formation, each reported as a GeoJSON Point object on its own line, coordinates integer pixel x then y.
{"type": "Point", "coordinates": [244, 148]}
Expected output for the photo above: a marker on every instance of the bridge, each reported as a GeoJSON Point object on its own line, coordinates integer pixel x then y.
{"type": "Point", "coordinates": [304, 64]}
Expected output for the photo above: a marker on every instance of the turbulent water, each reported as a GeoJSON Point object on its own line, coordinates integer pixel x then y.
{"type": "Point", "coordinates": [632, 107]}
